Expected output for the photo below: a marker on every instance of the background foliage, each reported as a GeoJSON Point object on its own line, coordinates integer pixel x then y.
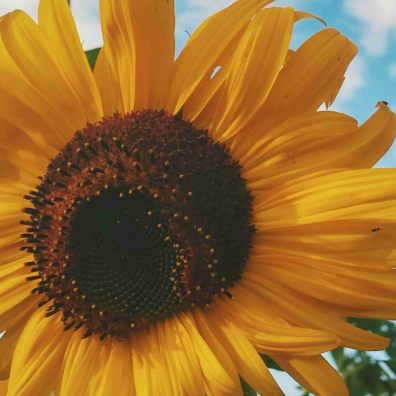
{"type": "Point", "coordinates": [366, 373]}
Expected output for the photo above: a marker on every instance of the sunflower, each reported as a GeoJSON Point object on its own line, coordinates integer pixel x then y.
{"type": "Point", "coordinates": [191, 216]}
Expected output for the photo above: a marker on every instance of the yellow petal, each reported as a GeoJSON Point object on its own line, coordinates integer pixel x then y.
{"type": "Point", "coordinates": [216, 105]}
{"type": "Point", "coordinates": [207, 332]}
{"type": "Point", "coordinates": [13, 320]}
{"type": "Point", "coordinates": [116, 372]}
{"type": "Point", "coordinates": [246, 359]}
{"type": "Point", "coordinates": [255, 67]}
{"type": "Point", "coordinates": [372, 140]}
{"type": "Point", "coordinates": [38, 110]}
{"type": "Point", "coordinates": [139, 42]}
{"type": "Point", "coordinates": [3, 387]}
{"type": "Point", "coordinates": [300, 145]}
{"type": "Point", "coordinates": [7, 347]}
{"type": "Point", "coordinates": [259, 308]}
{"type": "Point", "coordinates": [106, 366]}
{"type": "Point", "coordinates": [275, 338]}
{"type": "Point", "coordinates": [340, 246]}
{"type": "Point", "coordinates": [38, 356]}
{"type": "Point", "coordinates": [350, 272]}
{"type": "Point", "coordinates": [15, 267]}
{"type": "Point", "coordinates": [315, 374]}
{"type": "Point", "coordinates": [14, 289]}
{"type": "Point", "coordinates": [151, 372]}
{"type": "Point", "coordinates": [312, 76]}
{"type": "Point", "coordinates": [216, 93]}
{"type": "Point", "coordinates": [11, 203]}
{"type": "Point", "coordinates": [56, 21]}
{"type": "Point", "coordinates": [109, 88]}
{"type": "Point", "coordinates": [197, 106]}
{"type": "Point", "coordinates": [316, 142]}
{"type": "Point", "coordinates": [22, 159]}
{"type": "Point", "coordinates": [11, 170]}
{"type": "Point", "coordinates": [217, 380]}
{"type": "Point", "coordinates": [18, 312]}
{"type": "Point", "coordinates": [10, 240]}
{"type": "Point", "coordinates": [302, 311]}
{"type": "Point", "coordinates": [329, 288]}
{"type": "Point", "coordinates": [355, 195]}
{"type": "Point", "coordinates": [300, 134]}
{"type": "Point", "coordinates": [10, 248]}
{"type": "Point", "coordinates": [74, 361]}
{"type": "Point", "coordinates": [32, 53]}
{"type": "Point", "coordinates": [182, 359]}
{"type": "Point", "coordinates": [205, 46]}
{"type": "Point", "coordinates": [386, 313]}
{"type": "Point", "coordinates": [224, 93]}
{"type": "Point", "coordinates": [303, 15]}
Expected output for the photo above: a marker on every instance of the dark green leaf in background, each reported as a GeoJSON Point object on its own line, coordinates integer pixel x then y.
{"type": "Point", "coordinates": [270, 363]}
{"type": "Point", "coordinates": [368, 374]}
{"type": "Point", "coordinates": [365, 373]}
{"type": "Point", "coordinates": [92, 56]}
{"type": "Point", "coordinates": [247, 389]}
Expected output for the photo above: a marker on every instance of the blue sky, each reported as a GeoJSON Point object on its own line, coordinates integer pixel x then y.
{"type": "Point", "coordinates": [371, 24]}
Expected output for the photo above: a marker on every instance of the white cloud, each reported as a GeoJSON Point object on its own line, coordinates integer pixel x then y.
{"type": "Point", "coordinates": [377, 20]}
{"type": "Point", "coordinates": [392, 71]}
{"type": "Point", "coordinates": [298, 4]}
{"type": "Point", "coordinates": [29, 6]}
{"type": "Point", "coordinates": [208, 6]}
{"type": "Point", "coordinates": [194, 13]}
{"type": "Point", "coordinates": [355, 79]}
{"type": "Point", "coordinates": [86, 14]}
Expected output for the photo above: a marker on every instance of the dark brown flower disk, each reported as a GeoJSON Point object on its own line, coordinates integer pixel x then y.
{"type": "Point", "coordinates": [139, 217]}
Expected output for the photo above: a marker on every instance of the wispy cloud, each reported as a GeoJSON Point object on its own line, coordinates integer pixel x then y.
{"type": "Point", "coordinates": [194, 12]}
{"type": "Point", "coordinates": [355, 79]}
{"type": "Point", "coordinates": [377, 19]}
{"type": "Point", "coordinates": [298, 4]}
{"type": "Point", "coordinates": [86, 14]}
{"type": "Point", "coordinates": [29, 6]}
{"type": "Point", "coordinates": [392, 71]}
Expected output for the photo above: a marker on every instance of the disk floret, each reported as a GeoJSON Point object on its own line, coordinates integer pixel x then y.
{"type": "Point", "coordinates": [139, 217]}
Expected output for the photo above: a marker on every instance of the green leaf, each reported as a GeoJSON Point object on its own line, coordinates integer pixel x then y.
{"type": "Point", "coordinates": [365, 374]}
{"type": "Point", "coordinates": [270, 363]}
{"type": "Point", "coordinates": [391, 364]}
{"type": "Point", "coordinates": [247, 389]}
{"type": "Point", "coordinates": [338, 356]}
{"type": "Point", "coordinates": [92, 56]}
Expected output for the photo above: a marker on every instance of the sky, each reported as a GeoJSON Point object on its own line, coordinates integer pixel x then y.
{"type": "Point", "coordinates": [371, 24]}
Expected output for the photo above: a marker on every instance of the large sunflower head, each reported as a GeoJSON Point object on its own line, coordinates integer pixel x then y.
{"type": "Point", "coordinates": [164, 224]}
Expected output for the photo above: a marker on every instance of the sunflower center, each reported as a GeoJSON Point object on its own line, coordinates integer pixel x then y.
{"type": "Point", "coordinates": [139, 217]}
